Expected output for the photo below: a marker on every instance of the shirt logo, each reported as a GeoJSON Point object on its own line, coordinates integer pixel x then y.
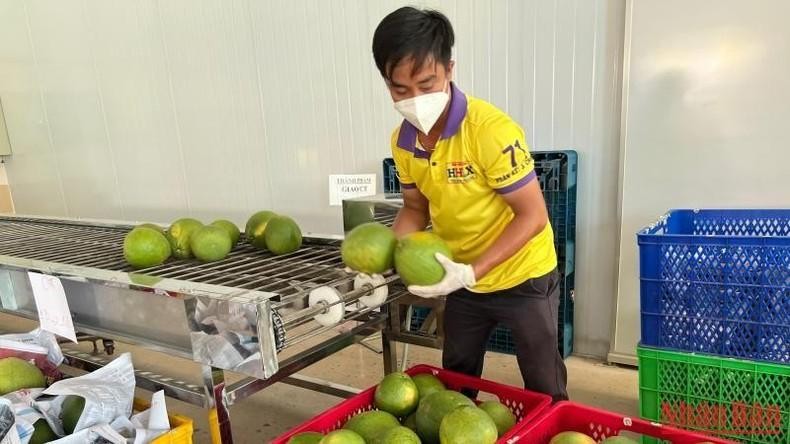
{"type": "Point", "coordinates": [460, 172]}
{"type": "Point", "coordinates": [517, 166]}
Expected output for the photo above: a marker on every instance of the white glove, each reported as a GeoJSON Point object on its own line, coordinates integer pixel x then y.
{"type": "Point", "coordinates": [369, 277]}
{"type": "Point", "coordinates": [456, 277]}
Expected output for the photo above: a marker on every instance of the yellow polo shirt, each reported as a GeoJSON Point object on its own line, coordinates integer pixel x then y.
{"type": "Point", "coordinates": [481, 154]}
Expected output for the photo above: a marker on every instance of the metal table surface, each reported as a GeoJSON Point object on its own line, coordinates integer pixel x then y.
{"type": "Point", "coordinates": [247, 313]}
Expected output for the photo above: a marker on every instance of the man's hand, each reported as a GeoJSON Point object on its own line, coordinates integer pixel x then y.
{"type": "Point", "coordinates": [456, 277]}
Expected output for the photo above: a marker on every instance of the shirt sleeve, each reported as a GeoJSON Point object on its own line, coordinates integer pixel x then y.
{"type": "Point", "coordinates": [402, 160]}
{"type": "Point", "coordinates": [504, 155]}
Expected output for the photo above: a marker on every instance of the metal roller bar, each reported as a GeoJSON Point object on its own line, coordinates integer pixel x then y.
{"type": "Point", "coordinates": [298, 322]}
{"type": "Point", "coordinates": [93, 238]}
{"type": "Point", "coordinates": [285, 268]}
{"type": "Point", "coordinates": [105, 263]}
{"type": "Point", "coordinates": [317, 263]}
{"type": "Point", "coordinates": [237, 257]}
{"type": "Point", "coordinates": [347, 298]}
{"type": "Point", "coordinates": [77, 258]}
{"type": "Point", "coordinates": [215, 268]}
{"type": "Point", "coordinates": [313, 333]}
{"type": "Point", "coordinates": [31, 247]}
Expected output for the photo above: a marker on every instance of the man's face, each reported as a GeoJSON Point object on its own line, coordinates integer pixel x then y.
{"type": "Point", "coordinates": [407, 83]}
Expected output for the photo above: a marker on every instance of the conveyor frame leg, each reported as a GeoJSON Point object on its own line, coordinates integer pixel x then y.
{"type": "Point", "coordinates": [219, 412]}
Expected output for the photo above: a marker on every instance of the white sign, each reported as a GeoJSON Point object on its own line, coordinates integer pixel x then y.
{"type": "Point", "coordinates": [53, 308]}
{"type": "Point", "coordinates": [347, 186]}
{"type": "Point", "coordinates": [7, 298]}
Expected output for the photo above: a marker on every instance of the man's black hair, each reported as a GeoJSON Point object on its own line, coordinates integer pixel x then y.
{"type": "Point", "coordinates": [411, 32]}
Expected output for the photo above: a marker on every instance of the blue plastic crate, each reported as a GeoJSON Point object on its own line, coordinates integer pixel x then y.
{"type": "Point", "coordinates": [567, 289]}
{"type": "Point", "coordinates": [717, 281]}
{"type": "Point", "coordinates": [501, 339]}
{"type": "Point", "coordinates": [556, 172]}
{"type": "Point", "coordinates": [390, 173]}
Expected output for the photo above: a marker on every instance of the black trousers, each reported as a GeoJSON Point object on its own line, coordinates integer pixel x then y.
{"type": "Point", "coordinates": [530, 311]}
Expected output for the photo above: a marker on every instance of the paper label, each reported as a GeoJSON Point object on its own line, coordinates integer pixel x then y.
{"type": "Point", "coordinates": [347, 186]}
{"type": "Point", "coordinates": [7, 298]}
{"type": "Point", "coordinates": [53, 308]}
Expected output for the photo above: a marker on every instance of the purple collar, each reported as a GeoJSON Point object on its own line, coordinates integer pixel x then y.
{"type": "Point", "coordinates": [407, 137]}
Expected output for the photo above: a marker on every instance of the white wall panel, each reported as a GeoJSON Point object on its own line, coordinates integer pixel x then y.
{"type": "Point", "coordinates": [598, 197]}
{"type": "Point", "coordinates": [152, 110]}
{"type": "Point", "coordinates": [67, 77]}
{"type": "Point", "coordinates": [134, 81]}
{"type": "Point", "coordinates": [705, 121]}
{"type": "Point", "coordinates": [34, 174]}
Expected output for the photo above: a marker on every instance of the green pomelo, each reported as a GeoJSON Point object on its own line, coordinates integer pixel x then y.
{"type": "Point", "coordinates": [179, 235]}
{"type": "Point", "coordinates": [500, 414]}
{"type": "Point", "coordinates": [415, 258]}
{"type": "Point", "coordinates": [371, 423]}
{"type": "Point", "coordinates": [397, 435]}
{"type": "Point", "coordinates": [571, 438]}
{"type": "Point", "coordinates": [397, 394]}
{"type": "Point", "coordinates": [17, 374]}
{"type": "Point", "coordinates": [427, 384]}
{"type": "Point", "coordinates": [306, 438]}
{"type": "Point", "coordinates": [230, 227]}
{"type": "Point", "coordinates": [145, 247]}
{"type": "Point", "coordinates": [210, 243]}
{"type": "Point", "coordinates": [369, 248]}
{"type": "Point", "coordinates": [152, 226]}
{"type": "Point", "coordinates": [256, 228]}
{"type": "Point", "coordinates": [42, 433]}
{"type": "Point", "coordinates": [70, 412]}
{"type": "Point", "coordinates": [433, 409]}
{"type": "Point", "coordinates": [342, 436]}
{"type": "Point", "coordinates": [411, 422]}
{"type": "Point", "coordinates": [467, 425]}
{"type": "Point", "coordinates": [282, 235]}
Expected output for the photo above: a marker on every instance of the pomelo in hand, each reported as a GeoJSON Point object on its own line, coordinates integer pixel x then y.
{"type": "Point", "coordinates": [415, 258]}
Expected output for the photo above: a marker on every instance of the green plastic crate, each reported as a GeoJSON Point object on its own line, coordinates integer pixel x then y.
{"type": "Point", "coordinates": [737, 399]}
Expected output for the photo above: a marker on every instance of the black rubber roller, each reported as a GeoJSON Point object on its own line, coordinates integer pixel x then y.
{"type": "Point", "coordinates": [279, 331]}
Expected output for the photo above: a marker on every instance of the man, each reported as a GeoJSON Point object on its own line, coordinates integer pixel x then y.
{"type": "Point", "coordinates": [464, 166]}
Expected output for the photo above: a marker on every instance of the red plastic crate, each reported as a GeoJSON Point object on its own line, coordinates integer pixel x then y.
{"type": "Point", "coordinates": [524, 404]}
{"type": "Point", "coordinates": [599, 424]}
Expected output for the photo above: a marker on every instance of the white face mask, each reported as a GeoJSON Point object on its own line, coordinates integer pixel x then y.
{"type": "Point", "coordinates": [423, 111]}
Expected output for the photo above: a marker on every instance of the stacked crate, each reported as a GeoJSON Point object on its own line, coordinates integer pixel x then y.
{"type": "Point", "coordinates": [715, 312]}
{"type": "Point", "coordinates": [556, 173]}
